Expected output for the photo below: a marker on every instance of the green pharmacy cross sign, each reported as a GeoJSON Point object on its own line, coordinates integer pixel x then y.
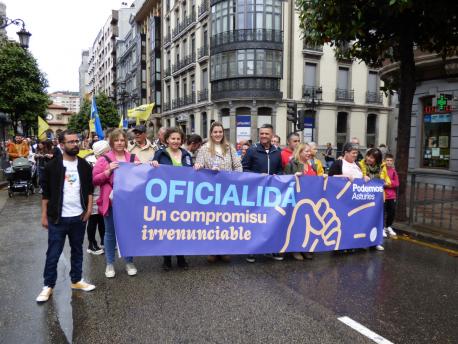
{"type": "Point", "coordinates": [441, 102]}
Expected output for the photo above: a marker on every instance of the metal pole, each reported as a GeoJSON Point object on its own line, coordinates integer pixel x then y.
{"type": "Point", "coordinates": [412, 197]}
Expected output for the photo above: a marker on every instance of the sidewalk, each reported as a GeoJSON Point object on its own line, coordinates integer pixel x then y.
{"type": "Point", "coordinates": [426, 233]}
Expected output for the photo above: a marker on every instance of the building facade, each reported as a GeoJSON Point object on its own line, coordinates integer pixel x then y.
{"type": "Point", "coordinates": [433, 149]}
{"type": "Point", "coordinates": [69, 100]}
{"type": "Point", "coordinates": [83, 75]}
{"type": "Point", "coordinates": [102, 58]}
{"type": "Point", "coordinates": [57, 118]}
{"type": "Point", "coordinates": [240, 62]}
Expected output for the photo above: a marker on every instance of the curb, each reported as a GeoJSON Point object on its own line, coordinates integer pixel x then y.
{"type": "Point", "coordinates": [425, 235]}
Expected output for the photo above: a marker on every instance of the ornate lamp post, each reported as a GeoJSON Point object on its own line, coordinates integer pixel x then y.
{"type": "Point", "coordinates": [23, 34]}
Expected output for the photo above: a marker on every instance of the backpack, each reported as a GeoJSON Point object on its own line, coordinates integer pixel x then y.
{"type": "Point", "coordinates": [132, 158]}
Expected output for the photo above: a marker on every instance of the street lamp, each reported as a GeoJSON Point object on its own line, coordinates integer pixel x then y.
{"type": "Point", "coordinates": [24, 35]}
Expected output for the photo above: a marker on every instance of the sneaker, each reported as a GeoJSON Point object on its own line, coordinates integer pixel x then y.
{"type": "Point", "coordinates": [251, 259]}
{"type": "Point", "coordinates": [110, 271]}
{"type": "Point", "coordinates": [95, 250]}
{"type": "Point", "coordinates": [308, 255]}
{"type": "Point", "coordinates": [83, 285]}
{"type": "Point", "coordinates": [384, 233]}
{"type": "Point", "coordinates": [45, 294]}
{"type": "Point", "coordinates": [391, 232]}
{"type": "Point", "coordinates": [379, 248]}
{"type": "Point", "coordinates": [131, 269]}
{"type": "Point", "coordinates": [226, 258]}
{"type": "Point", "coordinates": [298, 256]}
{"type": "Point", "coordinates": [277, 256]}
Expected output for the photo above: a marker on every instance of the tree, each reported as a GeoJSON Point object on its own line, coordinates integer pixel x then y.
{"type": "Point", "coordinates": [107, 112]}
{"type": "Point", "coordinates": [22, 87]}
{"type": "Point", "coordinates": [380, 30]}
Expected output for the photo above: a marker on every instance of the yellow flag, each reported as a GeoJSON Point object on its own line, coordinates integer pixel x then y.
{"type": "Point", "coordinates": [92, 126]}
{"type": "Point", "coordinates": [121, 124]}
{"type": "Point", "coordinates": [42, 127]}
{"type": "Point", "coordinates": [141, 112]}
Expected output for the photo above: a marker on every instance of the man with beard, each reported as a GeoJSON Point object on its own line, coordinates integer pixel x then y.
{"type": "Point", "coordinates": [66, 206]}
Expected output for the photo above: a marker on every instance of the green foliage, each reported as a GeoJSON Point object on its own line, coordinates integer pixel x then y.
{"type": "Point", "coordinates": [22, 87]}
{"type": "Point", "coordinates": [107, 112]}
{"type": "Point", "coordinates": [376, 27]}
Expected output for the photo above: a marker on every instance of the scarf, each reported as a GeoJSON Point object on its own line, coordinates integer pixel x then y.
{"type": "Point", "coordinates": [373, 172]}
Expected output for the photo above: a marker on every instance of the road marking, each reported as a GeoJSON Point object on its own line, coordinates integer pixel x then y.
{"type": "Point", "coordinates": [425, 244]}
{"type": "Point", "coordinates": [364, 330]}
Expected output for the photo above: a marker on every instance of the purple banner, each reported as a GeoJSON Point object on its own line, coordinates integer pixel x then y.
{"type": "Point", "coordinates": [180, 211]}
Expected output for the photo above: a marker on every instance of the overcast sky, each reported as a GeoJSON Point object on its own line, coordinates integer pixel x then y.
{"type": "Point", "coordinates": [60, 30]}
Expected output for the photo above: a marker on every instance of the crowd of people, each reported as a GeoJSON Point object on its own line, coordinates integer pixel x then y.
{"type": "Point", "coordinates": [77, 190]}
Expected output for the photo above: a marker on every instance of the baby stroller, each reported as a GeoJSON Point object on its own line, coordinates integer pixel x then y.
{"type": "Point", "coordinates": [20, 178]}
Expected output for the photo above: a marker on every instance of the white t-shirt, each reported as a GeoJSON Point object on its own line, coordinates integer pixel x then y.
{"type": "Point", "coordinates": [351, 169]}
{"type": "Point", "coordinates": [71, 205]}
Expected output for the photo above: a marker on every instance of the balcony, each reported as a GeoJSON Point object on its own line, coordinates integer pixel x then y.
{"type": "Point", "coordinates": [247, 39]}
{"type": "Point", "coordinates": [203, 9]}
{"type": "Point", "coordinates": [184, 101]}
{"type": "Point", "coordinates": [202, 96]}
{"type": "Point", "coordinates": [167, 72]}
{"type": "Point", "coordinates": [202, 52]}
{"type": "Point", "coordinates": [167, 39]}
{"type": "Point", "coordinates": [184, 25]}
{"type": "Point", "coordinates": [311, 50]}
{"type": "Point", "coordinates": [246, 88]}
{"type": "Point", "coordinates": [166, 107]}
{"type": "Point", "coordinates": [345, 95]}
{"type": "Point", "coordinates": [314, 92]}
{"type": "Point", "coordinates": [185, 62]}
{"type": "Point", "coordinates": [374, 97]}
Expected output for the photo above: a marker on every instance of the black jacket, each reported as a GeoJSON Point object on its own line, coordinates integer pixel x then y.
{"type": "Point", "coordinates": [53, 186]}
{"type": "Point", "coordinates": [163, 157]}
{"type": "Point", "coordinates": [336, 168]}
{"type": "Point", "coordinates": [258, 161]}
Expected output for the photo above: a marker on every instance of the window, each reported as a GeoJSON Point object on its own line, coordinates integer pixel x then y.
{"type": "Point", "coordinates": [437, 130]}
{"type": "Point", "coordinates": [204, 79]}
{"type": "Point", "coordinates": [310, 74]}
{"type": "Point", "coordinates": [193, 45]}
{"type": "Point", "coordinates": [177, 89]}
{"type": "Point", "coordinates": [372, 82]}
{"type": "Point", "coordinates": [343, 78]}
{"type": "Point", "coordinates": [192, 123]}
{"type": "Point", "coordinates": [371, 127]}
{"type": "Point", "coordinates": [341, 132]}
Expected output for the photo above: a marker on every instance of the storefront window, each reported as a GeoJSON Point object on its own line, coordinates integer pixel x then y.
{"type": "Point", "coordinates": [436, 140]}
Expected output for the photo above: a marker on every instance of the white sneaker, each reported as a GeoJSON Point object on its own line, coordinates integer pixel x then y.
{"type": "Point", "coordinates": [379, 248]}
{"type": "Point", "coordinates": [131, 269]}
{"type": "Point", "coordinates": [391, 232]}
{"type": "Point", "coordinates": [110, 271]}
{"type": "Point", "coordinates": [384, 233]}
{"type": "Point", "coordinates": [45, 294]}
{"type": "Point", "coordinates": [83, 285]}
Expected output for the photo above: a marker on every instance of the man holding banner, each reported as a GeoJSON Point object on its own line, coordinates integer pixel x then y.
{"type": "Point", "coordinates": [265, 158]}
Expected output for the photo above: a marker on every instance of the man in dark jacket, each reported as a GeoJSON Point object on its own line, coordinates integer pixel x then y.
{"type": "Point", "coordinates": [263, 157]}
{"type": "Point", "coordinates": [66, 206]}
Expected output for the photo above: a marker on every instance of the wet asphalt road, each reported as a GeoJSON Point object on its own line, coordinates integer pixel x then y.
{"type": "Point", "coordinates": [407, 294]}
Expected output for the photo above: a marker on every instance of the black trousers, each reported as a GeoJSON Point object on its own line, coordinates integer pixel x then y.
{"type": "Point", "coordinates": [95, 221]}
{"type": "Point", "coordinates": [390, 211]}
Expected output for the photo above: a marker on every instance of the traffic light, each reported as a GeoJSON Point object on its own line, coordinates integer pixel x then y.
{"type": "Point", "coordinates": [301, 120]}
{"type": "Point", "coordinates": [292, 112]}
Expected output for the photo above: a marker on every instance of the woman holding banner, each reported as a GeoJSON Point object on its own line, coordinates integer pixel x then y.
{"type": "Point", "coordinates": [173, 155]}
{"type": "Point", "coordinates": [301, 165]}
{"type": "Point", "coordinates": [102, 175]}
{"type": "Point", "coordinates": [218, 155]}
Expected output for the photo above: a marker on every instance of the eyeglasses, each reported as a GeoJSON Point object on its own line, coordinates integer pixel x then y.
{"type": "Point", "coordinates": [74, 142]}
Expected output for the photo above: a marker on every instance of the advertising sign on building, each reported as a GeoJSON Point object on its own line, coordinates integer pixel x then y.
{"type": "Point", "coordinates": [243, 127]}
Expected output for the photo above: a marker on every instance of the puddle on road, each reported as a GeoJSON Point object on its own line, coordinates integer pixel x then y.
{"type": "Point", "coordinates": [63, 298]}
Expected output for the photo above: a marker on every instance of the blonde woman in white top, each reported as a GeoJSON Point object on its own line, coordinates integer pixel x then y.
{"type": "Point", "coordinates": [218, 155]}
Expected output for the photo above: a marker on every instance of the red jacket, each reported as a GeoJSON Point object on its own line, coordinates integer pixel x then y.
{"type": "Point", "coordinates": [390, 191]}
{"type": "Point", "coordinates": [286, 155]}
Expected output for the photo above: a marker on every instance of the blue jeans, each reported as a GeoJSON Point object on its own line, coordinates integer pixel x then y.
{"type": "Point", "coordinates": [74, 228]}
{"type": "Point", "coordinates": [110, 239]}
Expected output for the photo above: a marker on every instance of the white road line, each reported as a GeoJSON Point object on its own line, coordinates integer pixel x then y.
{"type": "Point", "coordinates": [364, 330]}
